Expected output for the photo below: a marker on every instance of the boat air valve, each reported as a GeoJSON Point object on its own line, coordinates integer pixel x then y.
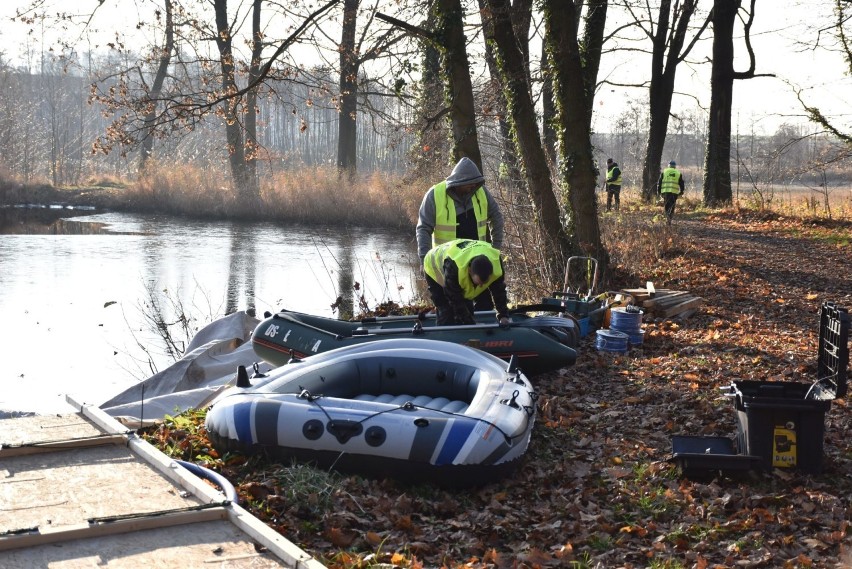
{"type": "Point", "coordinates": [242, 377]}
{"type": "Point", "coordinates": [511, 402]}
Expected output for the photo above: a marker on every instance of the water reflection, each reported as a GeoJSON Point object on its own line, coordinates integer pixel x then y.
{"type": "Point", "coordinates": [75, 289]}
{"type": "Point", "coordinates": [242, 271]}
{"type": "Point", "coordinates": [345, 279]}
{"type": "Point", "coordinates": [47, 221]}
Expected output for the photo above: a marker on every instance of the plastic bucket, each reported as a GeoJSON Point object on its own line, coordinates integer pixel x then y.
{"type": "Point", "coordinates": [629, 321]}
{"type": "Point", "coordinates": [611, 341]}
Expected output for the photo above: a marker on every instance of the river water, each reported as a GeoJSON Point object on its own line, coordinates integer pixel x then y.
{"type": "Point", "coordinates": [76, 293]}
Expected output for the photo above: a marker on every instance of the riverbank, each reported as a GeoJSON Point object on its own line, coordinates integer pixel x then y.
{"type": "Point", "coordinates": [106, 196]}
{"type": "Point", "coordinates": [308, 195]}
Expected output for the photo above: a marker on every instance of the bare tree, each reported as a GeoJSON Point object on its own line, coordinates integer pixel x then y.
{"type": "Point", "coordinates": [459, 93]}
{"type": "Point", "coordinates": [841, 23]}
{"type": "Point", "coordinates": [668, 40]}
{"type": "Point", "coordinates": [448, 38]}
{"type": "Point", "coordinates": [717, 162]}
{"type": "Point", "coordinates": [353, 53]}
{"type": "Point", "coordinates": [156, 89]}
{"type": "Point", "coordinates": [573, 59]}
{"type": "Point", "coordinates": [525, 135]}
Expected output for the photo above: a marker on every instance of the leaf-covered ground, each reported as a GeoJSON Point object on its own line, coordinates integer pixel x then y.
{"type": "Point", "coordinates": [595, 489]}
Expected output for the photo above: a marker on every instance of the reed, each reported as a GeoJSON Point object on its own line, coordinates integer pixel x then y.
{"type": "Point", "coordinates": [183, 189]}
{"type": "Point", "coordinates": [320, 195]}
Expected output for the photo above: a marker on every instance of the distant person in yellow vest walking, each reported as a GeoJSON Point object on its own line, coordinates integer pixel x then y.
{"type": "Point", "coordinates": [670, 187]}
{"type": "Point", "coordinates": [458, 272]}
{"type": "Point", "coordinates": [460, 208]}
{"type": "Point", "coordinates": [613, 184]}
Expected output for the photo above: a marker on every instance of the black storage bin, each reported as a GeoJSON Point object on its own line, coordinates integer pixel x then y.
{"type": "Point", "coordinates": [784, 422]}
{"type": "Point", "coordinates": [777, 423]}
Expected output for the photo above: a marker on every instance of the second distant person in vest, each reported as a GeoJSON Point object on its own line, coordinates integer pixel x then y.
{"type": "Point", "coordinates": [670, 187]}
{"type": "Point", "coordinates": [613, 184]}
{"type": "Point", "coordinates": [460, 208]}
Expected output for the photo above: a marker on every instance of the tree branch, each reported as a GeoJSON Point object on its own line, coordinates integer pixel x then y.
{"type": "Point", "coordinates": [416, 30]}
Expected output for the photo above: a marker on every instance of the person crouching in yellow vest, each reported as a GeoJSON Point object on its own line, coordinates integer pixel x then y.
{"type": "Point", "coordinates": [458, 272]}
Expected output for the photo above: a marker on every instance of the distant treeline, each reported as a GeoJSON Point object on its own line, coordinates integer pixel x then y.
{"type": "Point", "coordinates": [48, 126]}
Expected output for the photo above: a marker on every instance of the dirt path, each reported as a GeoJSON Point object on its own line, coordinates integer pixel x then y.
{"type": "Point", "coordinates": [770, 264]}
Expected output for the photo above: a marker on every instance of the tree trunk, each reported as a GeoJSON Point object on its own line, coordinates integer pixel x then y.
{"type": "Point", "coordinates": [459, 89]}
{"type": "Point", "coordinates": [347, 152]}
{"type": "Point", "coordinates": [548, 108]}
{"type": "Point", "coordinates": [665, 58]}
{"type": "Point", "coordinates": [430, 153]}
{"type": "Point", "coordinates": [574, 99]}
{"type": "Point", "coordinates": [717, 163]}
{"type": "Point", "coordinates": [157, 88]}
{"type": "Point", "coordinates": [244, 186]}
{"type": "Point", "coordinates": [520, 18]}
{"type": "Point", "coordinates": [530, 151]}
{"type": "Point", "coordinates": [252, 145]}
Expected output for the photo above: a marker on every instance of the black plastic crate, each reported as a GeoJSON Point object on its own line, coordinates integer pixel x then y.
{"type": "Point", "coordinates": [777, 423]}
{"type": "Point", "coordinates": [784, 422]}
{"type": "Point", "coordinates": [703, 457]}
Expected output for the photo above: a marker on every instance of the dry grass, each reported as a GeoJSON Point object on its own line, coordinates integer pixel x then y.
{"type": "Point", "coordinates": [319, 195]}
{"type": "Point", "coordinates": [185, 189]}
{"type": "Point", "coordinates": [308, 195]}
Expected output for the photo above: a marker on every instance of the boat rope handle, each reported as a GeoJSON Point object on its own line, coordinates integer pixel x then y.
{"type": "Point", "coordinates": [410, 406]}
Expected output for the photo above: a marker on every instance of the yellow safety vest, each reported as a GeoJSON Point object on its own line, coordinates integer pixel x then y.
{"type": "Point", "coordinates": [617, 181]}
{"type": "Point", "coordinates": [462, 252]}
{"type": "Point", "coordinates": [671, 181]}
{"type": "Point", "coordinates": [445, 214]}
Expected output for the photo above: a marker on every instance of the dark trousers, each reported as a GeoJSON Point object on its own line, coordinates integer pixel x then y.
{"type": "Point", "coordinates": [613, 193]}
{"type": "Point", "coordinates": [444, 310]}
{"type": "Point", "coordinates": [483, 302]}
{"type": "Point", "coordinates": [669, 201]}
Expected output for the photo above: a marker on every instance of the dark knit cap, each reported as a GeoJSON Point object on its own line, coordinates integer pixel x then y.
{"type": "Point", "coordinates": [482, 267]}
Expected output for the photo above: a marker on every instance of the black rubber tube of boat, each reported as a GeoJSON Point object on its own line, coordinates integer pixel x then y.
{"type": "Point", "coordinates": [220, 481]}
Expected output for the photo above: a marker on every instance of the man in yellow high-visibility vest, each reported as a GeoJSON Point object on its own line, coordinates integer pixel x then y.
{"type": "Point", "coordinates": [460, 207]}
{"type": "Point", "coordinates": [613, 184]}
{"type": "Point", "coordinates": [458, 272]}
{"type": "Point", "coordinates": [670, 187]}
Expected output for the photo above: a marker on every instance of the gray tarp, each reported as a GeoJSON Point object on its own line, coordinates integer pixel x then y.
{"type": "Point", "coordinates": [210, 363]}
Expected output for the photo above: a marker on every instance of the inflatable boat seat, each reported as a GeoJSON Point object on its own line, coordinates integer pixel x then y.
{"type": "Point", "coordinates": [400, 376]}
{"type": "Point", "coordinates": [424, 401]}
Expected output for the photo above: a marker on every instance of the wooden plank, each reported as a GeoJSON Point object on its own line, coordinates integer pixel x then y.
{"type": "Point", "coordinates": [276, 543]}
{"type": "Point", "coordinates": [673, 297]}
{"type": "Point", "coordinates": [683, 307]}
{"type": "Point", "coordinates": [50, 446]}
{"type": "Point", "coordinates": [84, 531]}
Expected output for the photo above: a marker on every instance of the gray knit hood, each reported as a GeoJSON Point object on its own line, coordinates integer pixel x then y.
{"type": "Point", "coordinates": [465, 173]}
